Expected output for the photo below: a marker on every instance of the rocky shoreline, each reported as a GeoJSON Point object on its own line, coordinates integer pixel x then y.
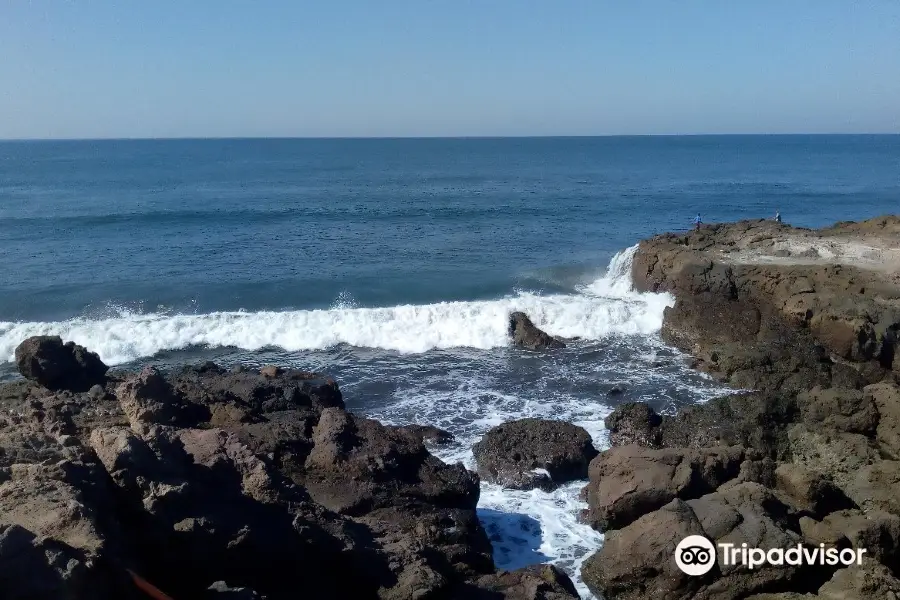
{"type": "Point", "coordinates": [808, 320]}
{"type": "Point", "coordinates": [243, 483]}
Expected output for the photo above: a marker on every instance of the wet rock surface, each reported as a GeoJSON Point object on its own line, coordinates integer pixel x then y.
{"type": "Point", "coordinates": [525, 334]}
{"type": "Point", "coordinates": [534, 453]}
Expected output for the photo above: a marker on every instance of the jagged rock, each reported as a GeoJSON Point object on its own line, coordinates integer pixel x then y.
{"type": "Point", "coordinates": [255, 393]}
{"type": "Point", "coordinates": [59, 366]}
{"type": "Point", "coordinates": [40, 568]}
{"type": "Point", "coordinates": [754, 420]}
{"type": "Point", "coordinates": [751, 514]}
{"type": "Point", "coordinates": [634, 423]}
{"type": "Point", "coordinates": [886, 397]}
{"type": "Point", "coordinates": [629, 481]}
{"type": "Point", "coordinates": [876, 486]}
{"type": "Point", "coordinates": [430, 434]}
{"type": "Point", "coordinates": [842, 409]}
{"type": "Point", "coordinates": [635, 563]}
{"type": "Point", "coordinates": [538, 582]}
{"type": "Point", "coordinates": [525, 334]}
{"type": "Point", "coordinates": [865, 582]}
{"type": "Point", "coordinates": [704, 320]}
{"type": "Point", "coordinates": [149, 399]}
{"type": "Point", "coordinates": [359, 464]}
{"type": "Point", "coordinates": [200, 498]}
{"type": "Point", "coordinates": [530, 453]}
{"type": "Point", "coordinates": [877, 532]}
{"type": "Point", "coordinates": [837, 455]}
{"type": "Point", "coordinates": [810, 491]}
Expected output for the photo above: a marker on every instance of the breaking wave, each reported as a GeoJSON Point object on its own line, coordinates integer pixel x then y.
{"type": "Point", "coordinates": [605, 307]}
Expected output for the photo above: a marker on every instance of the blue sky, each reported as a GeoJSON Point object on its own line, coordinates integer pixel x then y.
{"type": "Point", "coordinates": [197, 68]}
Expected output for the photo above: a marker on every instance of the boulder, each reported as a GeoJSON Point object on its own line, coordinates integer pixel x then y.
{"type": "Point", "coordinates": [886, 397]}
{"type": "Point", "coordinates": [865, 582]}
{"type": "Point", "coordinates": [200, 498]}
{"type": "Point", "coordinates": [357, 465]}
{"type": "Point", "coordinates": [149, 399]}
{"type": "Point", "coordinates": [875, 531]}
{"type": "Point", "coordinates": [704, 320]}
{"type": "Point", "coordinates": [637, 562]}
{"type": "Point", "coordinates": [754, 420]}
{"type": "Point", "coordinates": [627, 482]}
{"type": "Point", "coordinates": [537, 582]}
{"type": "Point", "coordinates": [530, 453]}
{"type": "Point", "coordinates": [40, 568]}
{"type": "Point", "coordinates": [633, 423]}
{"type": "Point", "coordinates": [57, 366]}
{"type": "Point", "coordinates": [841, 409]}
{"type": "Point", "coordinates": [876, 486]}
{"type": "Point", "coordinates": [810, 491]}
{"type": "Point", "coordinates": [526, 335]}
{"type": "Point", "coordinates": [837, 455]}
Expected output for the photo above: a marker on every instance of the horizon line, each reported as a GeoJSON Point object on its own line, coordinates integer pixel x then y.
{"type": "Point", "coordinates": [437, 137]}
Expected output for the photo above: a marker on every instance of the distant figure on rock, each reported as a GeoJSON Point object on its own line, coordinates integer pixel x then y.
{"type": "Point", "coordinates": [698, 221]}
{"type": "Point", "coordinates": [777, 217]}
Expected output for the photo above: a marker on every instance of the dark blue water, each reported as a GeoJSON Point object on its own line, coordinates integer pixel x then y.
{"type": "Point", "coordinates": [204, 225]}
{"type": "Point", "coordinates": [393, 264]}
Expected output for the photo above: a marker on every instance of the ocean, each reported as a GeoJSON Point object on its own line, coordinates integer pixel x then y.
{"type": "Point", "coordinates": [392, 264]}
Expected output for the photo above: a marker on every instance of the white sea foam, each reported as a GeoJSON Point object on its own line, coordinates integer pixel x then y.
{"type": "Point", "coordinates": [605, 307]}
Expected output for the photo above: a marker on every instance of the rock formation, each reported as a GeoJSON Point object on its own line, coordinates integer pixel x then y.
{"type": "Point", "coordinates": [526, 335]}
{"type": "Point", "coordinates": [808, 321]}
{"type": "Point", "coordinates": [208, 483]}
{"type": "Point", "coordinates": [534, 453]}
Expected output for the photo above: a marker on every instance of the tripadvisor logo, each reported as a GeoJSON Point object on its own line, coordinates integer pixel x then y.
{"type": "Point", "coordinates": [696, 555]}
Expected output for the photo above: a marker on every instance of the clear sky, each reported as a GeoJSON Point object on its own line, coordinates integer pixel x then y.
{"type": "Point", "coordinates": [198, 68]}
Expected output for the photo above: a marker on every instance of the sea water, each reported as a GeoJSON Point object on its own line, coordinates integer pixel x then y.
{"type": "Point", "coordinates": [393, 265]}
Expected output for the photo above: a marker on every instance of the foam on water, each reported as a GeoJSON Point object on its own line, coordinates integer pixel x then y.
{"type": "Point", "coordinates": [464, 384]}
{"type": "Point", "coordinates": [605, 307]}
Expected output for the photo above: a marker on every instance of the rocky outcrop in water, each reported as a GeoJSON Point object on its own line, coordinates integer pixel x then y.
{"type": "Point", "coordinates": [57, 366]}
{"type": "Point", "coordinates": [534, 453]}
{"type": "Point", "coordinates": [213, 483]}
{"type": "Point", "coordinates": [525, 334]}
{"type": "Point", "coordinates": [808, 320]}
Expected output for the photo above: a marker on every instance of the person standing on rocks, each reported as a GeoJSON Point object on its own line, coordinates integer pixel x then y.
{"type": "Point", "coordinates": [697, 221]}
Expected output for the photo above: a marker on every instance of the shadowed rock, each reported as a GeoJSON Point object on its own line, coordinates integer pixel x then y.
{"type": "Point", "coordinates": [57, 366]}
{"type": "Point", "coordinates": [534, 453]}
{"type": "Point", "coordinates": [524, 334]}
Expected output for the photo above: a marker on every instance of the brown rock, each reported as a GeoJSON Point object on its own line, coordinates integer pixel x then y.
{"type": "Point", "coordinates": [810, 491]}
{"type": "Point", "coordinates": [842, 409]}
{"type": "Point", "coordinates": [866, 582]}
{"type": "Point", "coordinates": [629, 481]}
{"type": "Point", "coordinates": [835, 454]}
{"type": "Point", "coordinates": [876, 486]}
{"type": "Point", "coordinates": [529, 453]}
{"type": "Point", "coordinates": [634, 423]}
{"type": "Point", "coordinates": [538, 582]}
{"type": "Point", "coordinates": [59, 366]}
{"type": "Point", "coordinates": [636, 562]}
{"type": "Point", "coordinates": [886, 397]}
{"type": "Point", "coordinates": [524, 333]}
